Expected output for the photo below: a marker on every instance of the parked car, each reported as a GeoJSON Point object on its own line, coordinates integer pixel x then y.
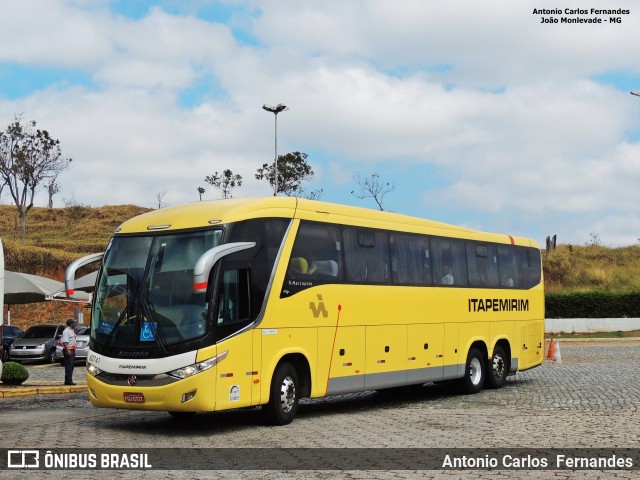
{"type": "Point", "coordinates": [9, 335]}
{"type": "Point", "coordinates": [82, 345]}
{"type": "Point", "coordinates": [37, 344]}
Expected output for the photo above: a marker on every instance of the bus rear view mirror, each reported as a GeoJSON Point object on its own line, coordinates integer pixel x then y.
{"type": "Point", "coordinates": [70, 274]}
{"type": "Point", "coordinates": [209, 258]}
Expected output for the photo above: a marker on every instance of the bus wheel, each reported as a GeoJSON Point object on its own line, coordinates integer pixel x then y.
{"type": "Point", "coordinates": [474, 372]}
{"type": "Point", "coordinates": [283, 401]}
{"type": "Point", "coordinates": [497, 369]}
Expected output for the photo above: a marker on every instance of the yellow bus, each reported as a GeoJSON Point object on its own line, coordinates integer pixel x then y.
{"type": "Point", "coordinates": [247, 302]}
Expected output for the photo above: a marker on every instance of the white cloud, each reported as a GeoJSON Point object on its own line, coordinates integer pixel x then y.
{"type": "Point", "coordinates": [493, 42]}
{"type": "Point", "coordinates": [63, 34]}
{"type": "Point", "coordinates": [507, 109]}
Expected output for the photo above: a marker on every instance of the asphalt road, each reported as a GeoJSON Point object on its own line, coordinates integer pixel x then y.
{"type": "Point", "coordinates": [589, 400]}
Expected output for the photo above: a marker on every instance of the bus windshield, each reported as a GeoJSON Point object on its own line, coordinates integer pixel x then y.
{"type": "Point", "coordinates": [144, 297]}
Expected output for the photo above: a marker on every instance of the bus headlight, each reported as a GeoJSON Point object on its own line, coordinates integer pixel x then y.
{"type": "Point", "coordinates": [93, 370]}
{"type": "Point", "coordinates": [190, 370]}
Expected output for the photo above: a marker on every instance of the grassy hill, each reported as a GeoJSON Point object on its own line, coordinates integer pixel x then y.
{"type": "Point", "coordinates": [55, 237]}
{"type": "Point", "coordinates": [593, 267]}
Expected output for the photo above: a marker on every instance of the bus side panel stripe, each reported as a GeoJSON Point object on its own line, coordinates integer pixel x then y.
{"type": "Point", "coordinates": [424, 375]}
{"type": "Point", "coordinates": [451, 371]}
{"type": "Point", "coordinates": [514, 365]}
{"type": "Point", "coordinates": [350, 384]}
{"type": "Point", "coordinates": [373, 381]}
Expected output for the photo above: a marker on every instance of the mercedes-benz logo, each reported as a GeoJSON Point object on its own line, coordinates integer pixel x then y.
{"type": "Point", "coordinates": [132, 380]}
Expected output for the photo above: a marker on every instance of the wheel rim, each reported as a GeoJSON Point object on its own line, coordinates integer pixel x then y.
{"type": "Point", "coordinates": [498, 367]}
{"type": "Point", "coordinates": [475, 371]}
{"type": "Point", "coordinates": [287, 394]}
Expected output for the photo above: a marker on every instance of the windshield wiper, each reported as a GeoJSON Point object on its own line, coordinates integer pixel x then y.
{"type": "Point", "coordinates": [116, 325]}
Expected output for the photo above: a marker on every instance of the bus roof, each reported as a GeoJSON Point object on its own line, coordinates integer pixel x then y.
{"type": "Point", "coordinates": [220, 212]}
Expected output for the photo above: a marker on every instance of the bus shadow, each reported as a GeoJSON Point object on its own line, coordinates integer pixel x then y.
{"type": "Point", "coordinates": [402, 396]}
{"type": "Point", "coordinates": [387, 398]}
{"type": "Point", "coordinates": [161, 423]}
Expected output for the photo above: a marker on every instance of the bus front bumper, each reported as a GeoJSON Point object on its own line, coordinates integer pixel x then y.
{"type": "Point", "coordinates": [192, 394]}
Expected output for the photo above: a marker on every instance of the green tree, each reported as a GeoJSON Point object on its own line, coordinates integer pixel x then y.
{"type": "Point", "coordinates": [293, 169]}
{"type": "Point", "coordinates": [225, 182]}
{"type": "Point", "coordinates": [28, 157]}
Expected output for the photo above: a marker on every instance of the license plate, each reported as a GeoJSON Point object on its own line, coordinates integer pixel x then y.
{"type": "Point", "coordinates": [134, 397]}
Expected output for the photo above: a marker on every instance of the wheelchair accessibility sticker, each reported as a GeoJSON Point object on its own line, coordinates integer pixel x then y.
{"type": "Point", "coordinates": [147, 334]}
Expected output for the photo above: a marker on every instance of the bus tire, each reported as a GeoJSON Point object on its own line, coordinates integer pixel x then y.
{"type": "Point", "coordinates": [497, 368]}
{"type": "Point", "coordinates": [474, 372]}
{"type": "Point", "coordinates": [283, 400]}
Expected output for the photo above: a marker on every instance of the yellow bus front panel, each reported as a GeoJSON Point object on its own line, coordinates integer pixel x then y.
{"type": "Point", "coordinates": [236, 373]}
{"type": "Point", "coordinates": [193, 394]}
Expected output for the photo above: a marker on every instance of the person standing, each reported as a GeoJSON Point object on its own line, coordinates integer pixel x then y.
{"type": "Point", "coordinates": [69, 350]}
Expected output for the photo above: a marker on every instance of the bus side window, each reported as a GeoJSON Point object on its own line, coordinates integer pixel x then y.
{"type": "Point", "coordinates": [449, 261]}
{"type": "Point", "coordinates": [530, 266]}
{"type": "Point", "coordinates": [366, 255]}
{"type": "Point", "coordinates": [316, 254]}
{"type": "Point", "coordinates": [483, 265]}
{"type": "Point", "coordinates": [509, 274]}
{"type": "Point", "coordinates": [410, 263]}
{"type": "Point", "coordinates": [233, 304]}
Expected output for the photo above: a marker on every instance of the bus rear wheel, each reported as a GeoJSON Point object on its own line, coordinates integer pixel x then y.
{"type": "Point", "coordinates": [283, 400]}
{"type": "Point", "coordinates": [498, 368]}
{"type": "Point", "coordinates": [473, 379]}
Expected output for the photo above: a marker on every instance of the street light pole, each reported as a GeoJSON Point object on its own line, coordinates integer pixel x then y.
{"type": "Point", "coordinates": [276, 110]}
{"type": "Point", "coordinates": [635, 92]}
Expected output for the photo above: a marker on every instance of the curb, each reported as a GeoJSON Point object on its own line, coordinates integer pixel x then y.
{"type": "Point", "coordinates": [592, 340]}
{"type": "Point", "coordinates": [35, 390]}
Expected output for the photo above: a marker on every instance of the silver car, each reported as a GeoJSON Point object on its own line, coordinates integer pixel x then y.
{"type": "Point", "coordinates": [82, 345]}
{"type": "Point", "coordinates": [37, 344]}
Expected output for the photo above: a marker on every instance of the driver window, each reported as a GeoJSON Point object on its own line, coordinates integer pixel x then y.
{"type": "Point", "coordinates": [233, 299]}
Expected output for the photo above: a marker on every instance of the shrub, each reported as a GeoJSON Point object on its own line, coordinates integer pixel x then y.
{"type": "Point", "coordinates": [592, 305]}
{"type": "Point", "coordinates": [13, 373]}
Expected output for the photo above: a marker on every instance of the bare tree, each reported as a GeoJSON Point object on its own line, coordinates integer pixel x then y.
{"type": "Point", "coordinates": [52, 188]}
{"type": "Point", "coordinates": [225, 182]}
{"type": "Point", "coordinates": [160, 197]}
{"type": "Point", "coordinates": [373, 187]}
{"type": "Point", "coordinates": [315, 195]}
{"type": "Point", "coordinates": [28, 157]}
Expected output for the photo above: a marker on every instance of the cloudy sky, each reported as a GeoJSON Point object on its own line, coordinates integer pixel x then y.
{"type": "Point", "coordinates": [481, 114]}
